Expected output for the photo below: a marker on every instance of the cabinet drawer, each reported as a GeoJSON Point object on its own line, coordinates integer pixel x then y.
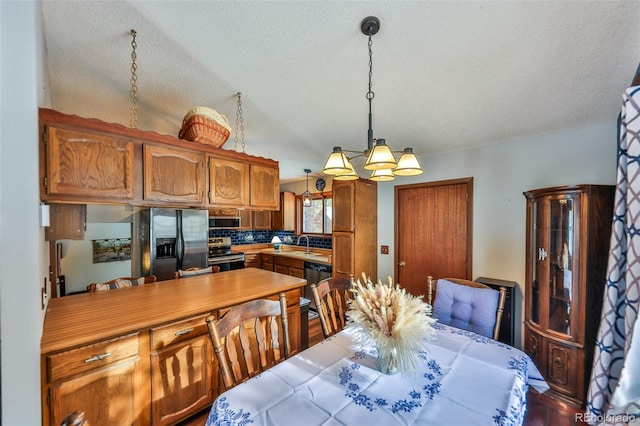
{"type": "Point", "coordinates": [281, 269]}
{"type": "Point", "coordinates": [89, 357]}
{"type": "Point", "coordinates": [293, 297]}
{"type": "Point", "coordinates": [295, 272]}
{"type": "Point", "coordinates": [178, 331]}
{"type": "Point", "coordinates": [287, 261]}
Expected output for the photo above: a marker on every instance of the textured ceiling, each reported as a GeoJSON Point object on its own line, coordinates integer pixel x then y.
{"type": "Point", "coordinates": [447, 75]}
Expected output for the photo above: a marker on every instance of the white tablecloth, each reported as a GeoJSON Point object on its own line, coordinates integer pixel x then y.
{"type": "Point", "coordinates": [463, 379]}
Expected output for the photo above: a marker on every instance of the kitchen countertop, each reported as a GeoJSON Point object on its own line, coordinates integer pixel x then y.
{"type": "Point", "coordinates": [315, 256]}
{"type": "Point", "coordinates": [322, 256]}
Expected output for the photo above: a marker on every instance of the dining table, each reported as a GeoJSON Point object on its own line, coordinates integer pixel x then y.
{"type": "Point", "coordinates": [461, 378]}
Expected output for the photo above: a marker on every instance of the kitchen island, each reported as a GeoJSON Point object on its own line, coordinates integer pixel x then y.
{"type": "Point", "coordinates": [142, 355]}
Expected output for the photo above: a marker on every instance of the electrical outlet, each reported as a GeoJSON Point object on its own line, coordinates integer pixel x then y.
{"type": "Point", "coordinates": [384, 249]}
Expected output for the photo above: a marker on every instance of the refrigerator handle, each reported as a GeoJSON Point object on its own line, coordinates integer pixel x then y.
{"type": "Point", "coordinates": [179, 240]}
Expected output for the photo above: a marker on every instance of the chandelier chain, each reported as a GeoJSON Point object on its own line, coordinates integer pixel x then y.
{"type": "Point", "coordinates": [133, 93]}
{"type": "Point", "coordinates": [370, 93]}
{"type": "Point", "coordinates": [239, 124]}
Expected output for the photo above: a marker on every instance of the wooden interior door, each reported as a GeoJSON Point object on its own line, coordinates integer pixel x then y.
{"type": "Point", "coordinates": [433, 232]}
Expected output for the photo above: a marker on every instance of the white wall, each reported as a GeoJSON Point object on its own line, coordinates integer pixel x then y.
{"type": "Point", "coordinates": [501, 173]}
{"type": "Point", "coordinates": [22, 248]}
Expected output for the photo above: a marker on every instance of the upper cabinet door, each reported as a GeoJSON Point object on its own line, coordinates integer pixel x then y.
{"type": "Point", "coordinates": [172, 174]}
{"type": "Point", "coordinates": [228, 182]}
{"type": "Point", "coordinates": [343, 206]}
{"type": "Point", "coordinates": [81, 163]}
{"type": "Point", "coordinates": [265, 187]}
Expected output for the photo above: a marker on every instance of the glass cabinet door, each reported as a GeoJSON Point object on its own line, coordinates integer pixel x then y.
{"type": "Point", "coordinates": [560, 255]}
{"type": "Point", "coordinates": [536, 251]}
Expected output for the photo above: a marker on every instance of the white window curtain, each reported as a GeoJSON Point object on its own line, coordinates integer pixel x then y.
{"type": "Point", "coordinates": [614, 389]}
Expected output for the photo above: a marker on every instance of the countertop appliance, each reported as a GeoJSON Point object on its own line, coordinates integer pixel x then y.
{"type": "Point", "coordinates": [314, 273]}
{"type": "Point", "coordinates": [173, 239]}
{"type": "Point", "coordinates": [220, 254]}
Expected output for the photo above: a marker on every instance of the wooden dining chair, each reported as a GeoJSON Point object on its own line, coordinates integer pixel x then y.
{"type": "Point", "coordinates": [467, 304]}
{"type": "Point", "coordinates": [330, 296]}
{"type": "Point", "coordinates": [250, 338]}
{"type": "Point", "coordinates": [190, 272]}
{"type": "Point", "coordinates": [121, 283]}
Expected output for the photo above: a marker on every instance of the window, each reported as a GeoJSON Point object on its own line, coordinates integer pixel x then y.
{"type": "Point", "coordinates": [316, 219]}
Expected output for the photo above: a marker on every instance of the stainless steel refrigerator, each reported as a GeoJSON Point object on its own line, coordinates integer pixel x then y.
{"type": "Point", "coordinates": [173, 239]}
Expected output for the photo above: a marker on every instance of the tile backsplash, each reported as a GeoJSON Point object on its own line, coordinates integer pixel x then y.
{"type": "Point", "coordinates": [260, 236]}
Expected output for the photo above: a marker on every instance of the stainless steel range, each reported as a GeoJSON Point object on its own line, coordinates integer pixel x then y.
{"type": "Point", "coordinates": [220, 254]}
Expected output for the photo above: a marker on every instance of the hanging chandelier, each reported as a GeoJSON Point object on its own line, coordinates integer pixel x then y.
{"type": "Point", "coordinates": [380, 159]}
{"type": "Point", "coordinates": [306, 195]}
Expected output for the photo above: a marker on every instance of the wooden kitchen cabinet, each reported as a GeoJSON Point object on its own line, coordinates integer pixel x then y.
{"type": "Point", "coordinates": [67, 222]}
{"type": "Point", "coordinates": [174, 175]}
{"type": "Point", "coordinates": [288, 266]}
{"type": "Point", "coordinates": [355, 228]}
{"type": "Point", "coordinates": [261, 219]}
{"type": "Point", "coordinates": [182, 382]}
{"type": "Point", "coordinates": [228, 182]}
{"type": "Point", "coordinates": [86, 160]}
{"type": "Point", "coordinates": [285, 218]}
{"type": "Point", "coordinates": [104, 380]}
{"type": "Point", "coordinates": [568, 234]}
{"type": "Point", "coordinates": [266, 262]}
{"type": "Point", "coordinates": [251, 260]}
{"type": "Point", "coordinates": [87, 164]}
{"type": "Point", "coordinates": [264, 187]}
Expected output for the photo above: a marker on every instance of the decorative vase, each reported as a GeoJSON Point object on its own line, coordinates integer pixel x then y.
{"type": "Point", "coordinates": [387, 362]}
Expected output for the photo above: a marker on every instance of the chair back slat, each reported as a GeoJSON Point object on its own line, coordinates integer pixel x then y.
{"type": "Point", "coordinates": [331, 297]}
{"type": "Point", "coordinates": [250, 338]}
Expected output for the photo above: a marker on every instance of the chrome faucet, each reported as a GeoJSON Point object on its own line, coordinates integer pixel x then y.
{"type": "Point", "coordinates": [307, 237]}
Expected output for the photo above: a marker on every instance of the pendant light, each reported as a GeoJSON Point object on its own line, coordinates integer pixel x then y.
{"type": "Point", "coordinates": [306, 195]}
{"type": "Point", "coordinates": [379, 156]}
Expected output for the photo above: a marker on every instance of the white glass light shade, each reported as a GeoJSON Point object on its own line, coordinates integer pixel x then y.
{"type": "Point", "coordinates": [352, 175]}
{"type": "Point", "coordinates": [306, 199]}
{"type": "Point", "coordinates": [337, 163]}
{"type": "Point", "coordinates": [382, 175]}
{"type": "Point", "coordinates": [380, 157]}
{"type": "Point", "coordinates": [408, 164]}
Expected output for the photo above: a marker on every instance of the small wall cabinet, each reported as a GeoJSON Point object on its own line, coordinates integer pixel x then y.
{"type": "Point", "coordinates": [568, 233]}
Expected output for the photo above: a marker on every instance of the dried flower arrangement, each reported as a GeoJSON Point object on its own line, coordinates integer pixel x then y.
{"type": "Point", "coordinates": [398, 323]}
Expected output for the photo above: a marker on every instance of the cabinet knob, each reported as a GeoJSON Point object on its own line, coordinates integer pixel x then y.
{"type": "Point", "coordinates": [558, 362]}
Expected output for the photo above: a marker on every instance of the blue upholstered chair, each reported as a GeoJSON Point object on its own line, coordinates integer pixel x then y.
{"type": "Point", "coordinates": [467, 305]}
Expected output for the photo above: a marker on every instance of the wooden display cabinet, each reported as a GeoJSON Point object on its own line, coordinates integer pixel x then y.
{"type": "Point", "coordinates": [568, 233]}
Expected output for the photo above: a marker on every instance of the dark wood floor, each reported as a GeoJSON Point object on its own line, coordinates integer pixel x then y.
{"type": "Point", "coordinates": [545, 411]}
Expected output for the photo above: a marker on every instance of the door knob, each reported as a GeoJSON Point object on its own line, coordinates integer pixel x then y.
{"type": "Point", "coordinates": [401, 263]}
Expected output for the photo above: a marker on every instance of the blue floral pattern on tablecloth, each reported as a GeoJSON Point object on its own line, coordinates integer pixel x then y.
{"type": "Point", "coordinates": [222, 415]}
{"type": "Point", "coordinates": [414, 398]}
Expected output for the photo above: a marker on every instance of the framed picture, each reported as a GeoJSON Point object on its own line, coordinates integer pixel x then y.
{"type": "Point", "coordinates": [112, 250]}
